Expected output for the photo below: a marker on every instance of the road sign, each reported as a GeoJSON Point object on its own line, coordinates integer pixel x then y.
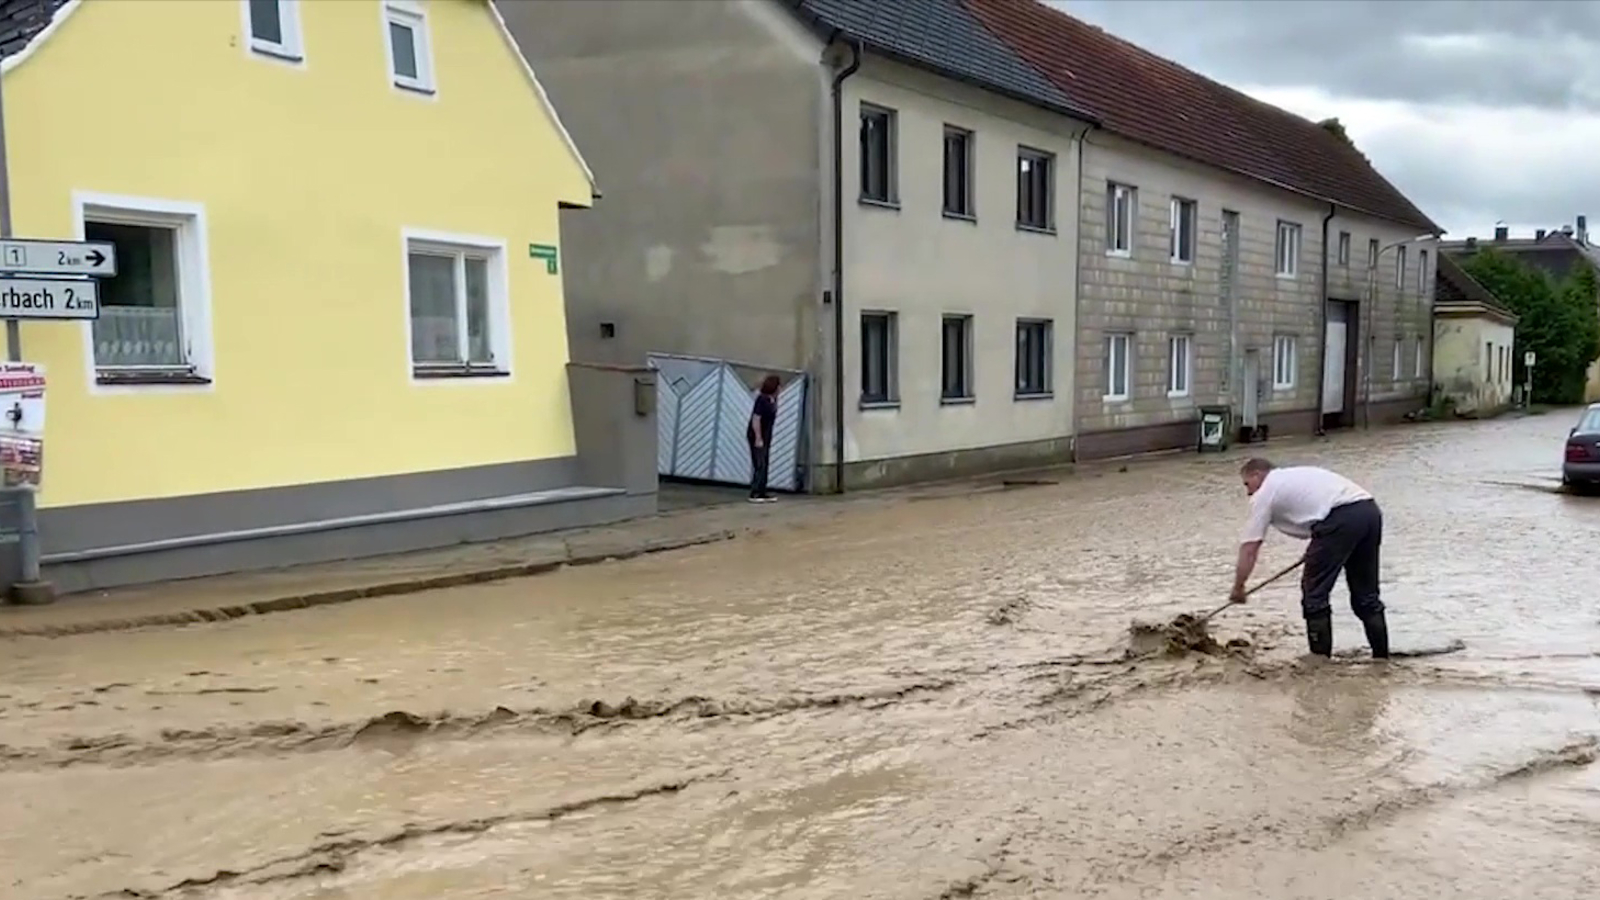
{"type": "Point", "coordinates": [49, 298]}
{"type": "Point", "coordinates": [58, 257]}
{"type": "Point", "coordinates": [1528, 358]}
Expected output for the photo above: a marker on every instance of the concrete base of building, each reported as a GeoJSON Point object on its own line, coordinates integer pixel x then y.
{"type": "Point", "coordinates": [1181, 435]}
{"type": "Point", "coordinates": [138, 542]}
{"type": "Point", "coordinates": [861, 475]}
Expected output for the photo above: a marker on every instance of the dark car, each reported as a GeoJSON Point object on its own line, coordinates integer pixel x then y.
{"type": "Point", "coordinates": [1581, 469]}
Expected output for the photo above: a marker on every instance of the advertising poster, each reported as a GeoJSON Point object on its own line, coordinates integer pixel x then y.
{"type": "Point", "coordinates": [21, 425]}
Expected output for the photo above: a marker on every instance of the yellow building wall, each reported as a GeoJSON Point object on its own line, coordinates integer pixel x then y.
{"type": "Point", "coordinates": [1459, 366]}
{"type": "Point", "coordinates": [307, 177]}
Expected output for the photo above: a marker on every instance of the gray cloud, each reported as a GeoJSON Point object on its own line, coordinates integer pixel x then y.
{"type": "Point", "coordinates": [1492, 52]}
{"type": "Point", "coordinates": [1480, 110]}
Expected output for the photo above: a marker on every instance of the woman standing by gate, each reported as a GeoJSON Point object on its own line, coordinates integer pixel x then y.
{"type": "Point", "coordinates": [759, 435]}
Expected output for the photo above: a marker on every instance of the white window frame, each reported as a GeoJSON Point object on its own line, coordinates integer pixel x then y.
{"type": "Point", "coordinates": [1177, 367]}
{"type": "Point", "coordinates": [1286, 250]}
{"type": "Point", "coordinates": [1285, 362]}
{"type": "Point", "coordinates": [412, 15]}
{"type": "Point", "coordinates": [1400, 268]}
{"type": "Point", "coordinates": [891, 151]}
{"type": "Point", "coordinates": [1419, 345]}
{"type": "Point", "coordinates": [1184, 213]}
{"type": "Point", "coordinates": [1122, 214]}
{"type": "Point", "coordinates": [1373, 251]}
{"type": "Point", "coordinates": [1397, 365]}
{"type": "Point", "coordinates": [292, 50]}
{"type": "Point", "coordinates": [1112, 339]}
{"type": "Point", "coordinates": [501, 369]}
{"type": "Point", "coordinates": [194, 283]}
{"type": "Point", "coordinates": [1422, 273]}
{"type": "Point", "coordinates": [1344, 248]}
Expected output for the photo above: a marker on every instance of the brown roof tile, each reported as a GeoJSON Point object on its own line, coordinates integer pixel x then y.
{"type": "Point", "coordinates": [1156, 102]}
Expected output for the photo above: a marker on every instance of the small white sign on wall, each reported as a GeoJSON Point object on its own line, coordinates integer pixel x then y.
{"type": "Point", "coordinates": [1528, 358]}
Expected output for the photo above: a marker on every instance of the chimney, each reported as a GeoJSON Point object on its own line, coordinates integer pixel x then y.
{"type": "Point", "coordinates": [1501, 233]}
{"type": "Point", "coordinates": [1539, 235]}
{"type": "Point", "coordinates": [1566, 230]}
{"type": "Point", "coordinates": [1472, 245]}
{"type": "Point", "coordinates": [1583, 229]}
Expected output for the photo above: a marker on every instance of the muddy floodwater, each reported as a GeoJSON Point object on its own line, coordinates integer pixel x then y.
{"type": "Point", "coordinates": [929, 696]}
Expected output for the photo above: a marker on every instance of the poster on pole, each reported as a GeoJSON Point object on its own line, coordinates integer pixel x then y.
{"type": "Point", "coordinates": [21, 425]}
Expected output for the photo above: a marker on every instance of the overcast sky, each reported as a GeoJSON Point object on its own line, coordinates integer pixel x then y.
{"type": "Point", "coordinates": [1480, 110]}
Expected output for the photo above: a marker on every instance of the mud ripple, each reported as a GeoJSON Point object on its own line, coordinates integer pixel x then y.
{"type": "Point", "coordinates": [337, 852]}
{"type": "Point", "coordinates": [401, 725]}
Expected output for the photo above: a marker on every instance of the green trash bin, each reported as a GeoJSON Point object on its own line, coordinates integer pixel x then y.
{"type": "Point", "coordinates": [1216, 423]}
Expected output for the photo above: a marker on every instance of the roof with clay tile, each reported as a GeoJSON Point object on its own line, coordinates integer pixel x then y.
{"type": "Point", "coordinates": [1010, 46]}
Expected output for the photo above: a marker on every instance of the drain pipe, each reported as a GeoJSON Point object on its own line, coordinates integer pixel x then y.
{"type": "Point", "coordinates": [838, 263]}
{"type": "Point", "coordinates": [1322, 317]}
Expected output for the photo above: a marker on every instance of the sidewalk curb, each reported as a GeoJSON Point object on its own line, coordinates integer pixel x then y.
{"type": "Point", "coordinates": [345, 595]}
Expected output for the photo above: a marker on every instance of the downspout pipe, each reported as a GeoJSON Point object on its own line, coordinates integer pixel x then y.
{"type": "Point", "coordinates": [838, 262]}
{"type": "Point", "coordinates": [1322, 318]}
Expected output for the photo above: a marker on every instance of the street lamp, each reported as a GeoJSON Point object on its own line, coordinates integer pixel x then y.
{"type": "Point", "coordinates": [1371, 316]}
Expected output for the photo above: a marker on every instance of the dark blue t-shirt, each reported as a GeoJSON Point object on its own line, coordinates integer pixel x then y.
{"type": "Point", "coordinates": [765, 411]}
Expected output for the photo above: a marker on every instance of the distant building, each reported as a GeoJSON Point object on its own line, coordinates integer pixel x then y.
{"type": "Point", "coordinates": [1553, 251]}
{"type": "Point", "coordinates": [1474, 336]}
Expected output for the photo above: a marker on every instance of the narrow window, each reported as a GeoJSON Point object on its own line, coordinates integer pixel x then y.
{"type": "Point", "coordinates": [1288, 250]}
{"type": "Point", "coordinates": [1395, 364]}
{"type": "Point", "coordinates": [1418, 368]}
{"type": "Point", "coordinates": [1034, 353]}
{"type": "Point", "coordinates": [1117, 370]}
{"type": "Point", "coordinates": [1035, 189]}
{"type": "Point", "coordinates": [1400, 268]}
{"type": "Point", "coordinates": [1344, 248]}
{"type": "Point", "coordinates": [1178, 365]}
{"type": "Point", "coordinates": [1372, 253]}
{"type": "Point", "coordinates": [410, 50]}
{"type": "Point", "coordinates": [1422, 273]}
{"type": "Point", "coordinates": [1283, 363]}
{"type": "Point", "coordinates": [958, 199]}
{"type": "Point", "coordinates": [879, 358]}
{"type": "Point", "coordinates": [877, 154]}
{"type": "Point", "coordinates": [956, 359]}
{"type": "Point", "coordinates": [1185, 224]}
{"type": "Point", "coordinates": [1121, 204]}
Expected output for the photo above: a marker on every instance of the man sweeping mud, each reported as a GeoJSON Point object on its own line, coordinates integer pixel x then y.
{"type": "Point", "coordinates": [1345, 527]}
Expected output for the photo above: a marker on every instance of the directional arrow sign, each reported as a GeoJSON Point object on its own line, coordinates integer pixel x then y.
{"type": "Point", "coordinates": [49, 298]}
{"type": "Point", "coordinates": [95, 258]}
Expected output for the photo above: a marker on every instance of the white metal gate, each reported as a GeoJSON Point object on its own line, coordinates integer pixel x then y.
{"type": "Point", "coordinates": [702, 409]}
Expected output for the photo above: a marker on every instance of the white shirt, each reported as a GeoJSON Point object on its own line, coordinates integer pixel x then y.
{"type": "Point", "coordinates": [1295, 498]}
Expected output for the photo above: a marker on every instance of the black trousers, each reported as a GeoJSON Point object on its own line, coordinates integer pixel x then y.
{"type": "Point", "coordinates": [758, 469]}
{"type": "Point", "coordinates": [1348, 540]}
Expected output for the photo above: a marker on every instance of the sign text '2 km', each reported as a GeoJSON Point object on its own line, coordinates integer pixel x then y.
{"type": "Point", "coordinates": [56, 258]}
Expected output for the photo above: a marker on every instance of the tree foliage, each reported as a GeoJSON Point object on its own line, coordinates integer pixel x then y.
{"type": "Point", "coordinates": [1336, 128]}
{"type": "Point", "coordinates": [1558, 321]}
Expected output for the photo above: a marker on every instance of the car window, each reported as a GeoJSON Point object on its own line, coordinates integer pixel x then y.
{"type": "Point", "coordinates": [1591, 421]}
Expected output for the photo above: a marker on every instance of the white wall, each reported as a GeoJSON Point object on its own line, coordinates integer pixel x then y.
{"type": "Point", "coordinates": [914, 261]}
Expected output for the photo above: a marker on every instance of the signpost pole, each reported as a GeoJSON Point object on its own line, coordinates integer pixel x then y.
{"type": "Point", "coordinates": [30, 587]}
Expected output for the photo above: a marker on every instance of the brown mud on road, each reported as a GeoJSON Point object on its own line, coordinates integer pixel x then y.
{"type": "Point", "coordinates": [939, 699]}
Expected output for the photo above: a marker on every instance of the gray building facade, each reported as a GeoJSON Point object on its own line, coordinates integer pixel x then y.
{"type": "Point", "coordinates": [1011, 274]}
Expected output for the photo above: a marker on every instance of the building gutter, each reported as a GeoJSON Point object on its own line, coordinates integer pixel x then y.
{"type": "Point", "coordinates": [838, 262]}
{"type": "Point", "coordinates": [1322, 319]}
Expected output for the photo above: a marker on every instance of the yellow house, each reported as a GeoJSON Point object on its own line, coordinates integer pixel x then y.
{"type": "Point", "coordinates": [337, 325]}
{"type": "Point", "coordinates": [1473, 343]}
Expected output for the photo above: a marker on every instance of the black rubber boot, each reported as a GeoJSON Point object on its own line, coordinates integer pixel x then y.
{"type": "Point", "coordinates": [1377, 634]}
{"type": "Point", "coordinates": [1319, 634]}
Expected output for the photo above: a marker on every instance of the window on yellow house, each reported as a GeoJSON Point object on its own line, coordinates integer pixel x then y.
{"type": "Point", "coordinates": [154, 323]}
{"type": "Point", "coordinates": [458, 312]}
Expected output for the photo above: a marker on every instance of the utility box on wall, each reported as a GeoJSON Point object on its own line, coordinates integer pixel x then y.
{"type": "Point", "coordinates": [1216, 423]}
